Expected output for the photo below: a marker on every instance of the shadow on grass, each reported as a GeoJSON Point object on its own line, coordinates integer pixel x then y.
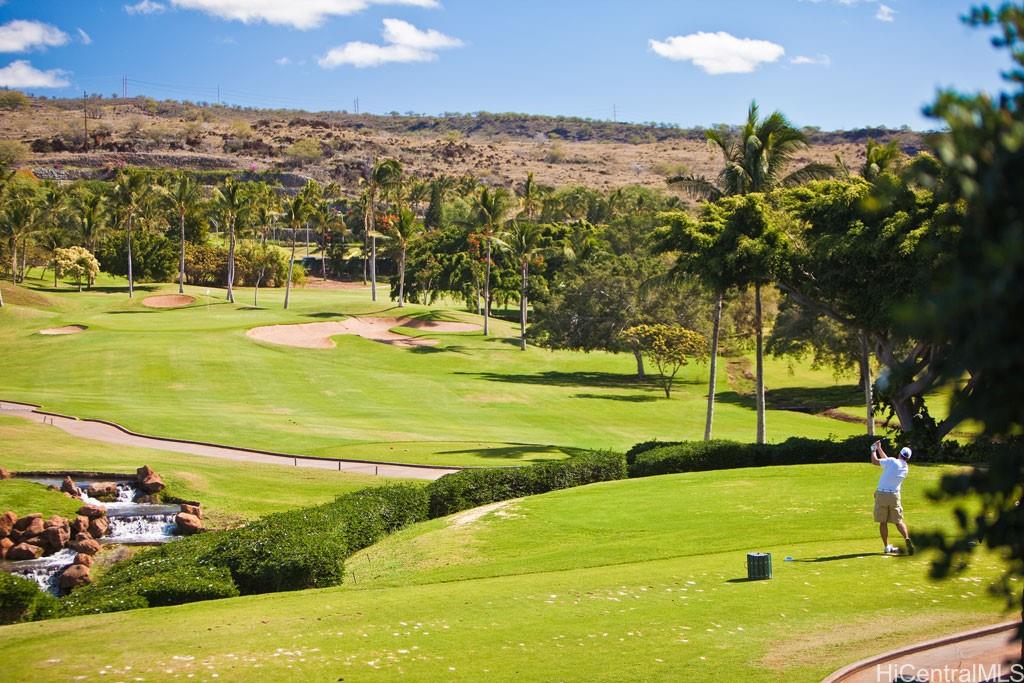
{"type": "Point", "coordinates": [798, 399]}
{"type": "Point", "coordinates": [325, 314]}
{"type": "Point", "coordinates": [554, 378]}
{"type": "Point", "coordinates": [631, 398]}
{"type": "Point", "coordinates": [745, 580]}
{"type": "Point", "coordinates": [102, 289]}
{"type": "Point", "coordinates": [513, 452]}
{"type": "Point", "coordinates": [834, 558]}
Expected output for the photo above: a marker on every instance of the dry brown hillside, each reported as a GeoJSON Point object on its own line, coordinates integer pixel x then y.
{"type": "Point", "coordinates": [496, 148]}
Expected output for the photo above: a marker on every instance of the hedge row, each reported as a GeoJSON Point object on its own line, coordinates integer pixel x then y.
{"type": "Point", "coordinates": [471, 488]}
{"type": "Point", "coordinates": [292, 550]}
{"type": "Point", "coordinates": [21, 600]}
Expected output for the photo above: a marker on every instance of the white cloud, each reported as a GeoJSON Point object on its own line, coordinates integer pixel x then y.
{"type": "Point", "coordinates": [885, 13]}
{"type": "Point", "coordinates": [282, 61]}
{"type": "Point", "coordinates": [718, 53]}
{"type": "Point", "coordinates": [404, 43]}
{"type": "Point", "coordinates": [817, 60]}
{"type": "Point", "coordinates": [300, 14]}
{"type": "Point", "coordinates": [145, 7]}
{"type": "Point", "coordinates": [21, 74]}
{"type": "Point", "coordinates": [84, 37]}
{"type": "Point", "coordinates": [20, 36]}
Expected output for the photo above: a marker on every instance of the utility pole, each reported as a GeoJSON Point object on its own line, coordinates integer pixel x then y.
{"type": "Point", "coordinates": [615, 113]}
{"type": "Point", "coordinates": [85, 117]}
{"type": "Point", "coordinates": [124, 87]}
{"type": "Point", "coordinates": [218, 94]}
{"type": "Point", "coordinates": [357, 106]}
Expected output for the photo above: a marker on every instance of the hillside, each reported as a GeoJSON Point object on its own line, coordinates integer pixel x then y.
{"type": "Point", "coordinates": [496, 148]}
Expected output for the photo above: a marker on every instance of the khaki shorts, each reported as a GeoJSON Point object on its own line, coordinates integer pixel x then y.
{"type": "Point", "coordinates": [888, 507]}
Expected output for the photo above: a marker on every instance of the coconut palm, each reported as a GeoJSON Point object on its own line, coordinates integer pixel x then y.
{"type": "Point", "coordinates": [295, 212]}
{"type": "Point", "coordinates": [524, 242]}
{"type": "Point", "coordinates": [183, 197]}
{"type": "Point", "coordinates": [403, 231]}
{"type": "Point", "coordinates": [491, 209]}
{"type": "Point", "coordinates": [21, 214]}
{"type": "Point", "coordinates": [231, 204]}
{"type": "Point", "coordinates": [531, 197]}
{"type": "Point", "coordinates": [130, 197]}
{"type": "Point", "coordinates": [326, 220]}
{"type": "Point", "coordinates": [88, 213]}
{"type": "Point", "coordinates": [757, 158]}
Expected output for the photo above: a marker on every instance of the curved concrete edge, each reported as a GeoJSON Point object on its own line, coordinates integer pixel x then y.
{"type": "Point", "coordinates": [875, 660]}
{"type": "Point", "coordinates": [439, 470]}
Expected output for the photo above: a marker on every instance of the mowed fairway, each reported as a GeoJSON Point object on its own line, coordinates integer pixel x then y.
{"type": "Point", "coordinates": [193, 373]}
{"type": "Point", "coordinates": [629, 580]}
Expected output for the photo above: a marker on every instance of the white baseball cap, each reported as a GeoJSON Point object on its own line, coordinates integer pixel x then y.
{"type": "Point", "coordinates": [905, 452]}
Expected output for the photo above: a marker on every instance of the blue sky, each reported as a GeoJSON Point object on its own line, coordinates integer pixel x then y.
{"type": "Point", "coordinates": [830, 63]}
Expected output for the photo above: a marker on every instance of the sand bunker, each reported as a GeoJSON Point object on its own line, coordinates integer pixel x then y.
{"type": "Point", "coordinates": [318, 335]}
{"type": "Point", "coordinates": [67, 329]}
{"type": "Point", "coordinates": [168, 301]}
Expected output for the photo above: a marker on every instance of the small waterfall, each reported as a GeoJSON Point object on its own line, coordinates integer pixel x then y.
{"type": "Point", "coordinates": [157, 528]}
{"type": "Point", "coordinates": [45, 570]}
{"type": "Point", "coordinates": [126, 492]}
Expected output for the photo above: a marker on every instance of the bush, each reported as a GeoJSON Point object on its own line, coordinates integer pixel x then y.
{"type": "Point", "coordinates": [471, 488]}
{"type": "Point", "coordinates": [12, 154]}
{"type": "Point", "coordinates": [303, 151]}
{"type": "Point", "coordinates": [649, 459]}
{"type": "Point", "coordinates": [154, 257]}
{"type": "Point", "coordinates": [22, 600]}
{"type": "Point", "coordinates": [13, 100]}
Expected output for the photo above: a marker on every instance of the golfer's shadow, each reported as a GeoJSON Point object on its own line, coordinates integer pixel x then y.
{"type": "Point", "coordinates": [833, 558]}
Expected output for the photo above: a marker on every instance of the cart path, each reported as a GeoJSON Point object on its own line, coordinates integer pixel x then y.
{"type": "Point", "coordinates": [110, 432]}
{"type": "Point", "coordinates": [978, 653]}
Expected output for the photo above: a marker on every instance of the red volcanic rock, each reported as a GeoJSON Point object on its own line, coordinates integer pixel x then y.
{"type": "Point", "coordinates": [56, 520]}
{"type": "Point", "coordinates": [5, 545]}
{"type": "Point", "coordinates": [92, 511]}
{"type": "Point", "coordinates": [24, 551]}
{"type": "Point", "coordinates": [193, 510]}
{"type": "Point", "coordinates": [84, 559]}
{"type": "Point", "coordinates": [188, 524]}
{"type": "Point", "coordinates": [80, 524]}
{"type": "Point", "coordinates": [27, 527]}
{"type": "Point", "coordinates": [103, 490]}
{"type": "Point", "coordinates": [99, 527]}
{"type": "Point", "coordinates": [24, 522]}
{"type": "Point", "coordinates": [84, 543]}
{"type": "Point", "coordinates": [69, 487]}
{"type": "Point", "coordinates": [7, 521]}
{"type": "Point", "coordinates": [55, 538]}
{"type": "Point", "coordinates": [74, 576]}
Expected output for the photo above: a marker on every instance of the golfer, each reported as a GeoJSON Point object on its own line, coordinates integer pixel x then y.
{"type": "Point", "coordinates": [888, 507]}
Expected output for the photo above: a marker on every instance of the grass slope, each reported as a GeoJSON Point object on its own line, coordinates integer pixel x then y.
{"type": "Point", "coordinates": [630, 580]}
{"type": "Point", "coordinates": [192, 373]}
{"type": "Point", "coordinates": [26, 497]}
{"type": "Point", "coordinates": [230, 491]}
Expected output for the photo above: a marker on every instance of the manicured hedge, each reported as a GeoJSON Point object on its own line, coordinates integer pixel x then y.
{"type": "Point", "coordinates": [697, 456]}
{"type": "Point", "coordinates": [293, 550]}
{"type": "Point", "coordinates": [472, 488]}
{"type": "Point", "coordinates": [21, 600]}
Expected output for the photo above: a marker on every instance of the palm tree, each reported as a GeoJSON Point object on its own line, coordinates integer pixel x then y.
{"type": "Point", "coordinates": [524, 243]}
{"type": "Point", "coordinates": [326, 220]}
{"type": "Point", "coordinates": [132, 192]}
{"type": "Point", "coordinates": [265, 212]}
{"type": "Point", "coordinates": [231, 204]}
{"type": "Point", "coordinates": [21, 214]}
{"type": "Point", "coordinates": [295, 212]}
{"type": "Point", "coordinates": [757, 158]}
{"type": "Point", "coordinates": [182, 198]}
{"type": "Point", "coordinates": [387, 179]}
{"type": "Point", "coordinates": [532, 197]}
{"type": "Point", "coordinates": [403, 231]}
{"type": "Point", "coordinates": [88, 213]}
{"type": "Point", "coordinates": [490, 213]}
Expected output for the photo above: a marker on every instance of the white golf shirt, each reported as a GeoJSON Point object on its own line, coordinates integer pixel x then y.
{"type": "Point", "coordinates": [894, 471]}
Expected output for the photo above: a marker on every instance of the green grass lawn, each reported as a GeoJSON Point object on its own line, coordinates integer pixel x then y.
{"type": "Point", "coordinates": [229, 491]}
{"type": "Point", "coordinates": [26, 497]}
{"type": "Point", "coordinates": [630, 580]}
{"type": "Point", "coordinates": [192, 373]}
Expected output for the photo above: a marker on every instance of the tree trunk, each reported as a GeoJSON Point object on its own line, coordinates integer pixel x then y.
{"type": "Point", "coordinates": [716, 327]}
{"type": "Point", "coordinates": [401, 281]}
{"type": "Point", "coordinates": [760, 365]}
{"type": "Point", "coordinates": [24, 256]}
{"type": "Point", "coordinates": [522, 306]}
{"type": "Point", "coordinates": [181, 257]}
{"type": "Point", "coordinates": [373, 268]}
{"type": "Point", "coordinates": [639, 363]}
{"type": "Point", "coordinates": [865, 374]}
{"type": "Point", "coordinates": [131, 281]}
{"type": "Point", "coordinates": [487, 290]}
{"type": "Point", "coordinates": [323, 259]}
{"type": "Point", "coordinates": [231, 262]}
{"type": "Point", "coordinates": [291, 264]}
{"type": "Point", "coordinates": [14, 260]}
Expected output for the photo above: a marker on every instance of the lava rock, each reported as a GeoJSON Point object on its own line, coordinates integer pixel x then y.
{"type": "Point", "coordinates": [24, 551]}
{"type": "Point", "coordinates": [5, 473]}
{"type": "Point", "coordinates": [80, 524]}
{"type": "Point", "coordinates": [149, 481]}
{"type": "Point", "coordinates": [103, 490]}
{"type": "Point", "coordinates": [84, 559]}
{"type": "Point", "coordinates": [84, 543]}
{"type": "Point", "coordinates": [92, 511]}
{"type": "Point", "coordinates": [69, 487]}
{"type": "Point", "coordinates": [188, 524]}
{"type": "Point", "coordinates": [99, 527]}
{"type": "Point", "coordinates": [74, 576]}
{"type": "Point", "coordinates": [7, 521]}
{"type": "Point", "coordinates": [27, 527]}
{"type": "Point", "coordinates": [56, 520]}
{"type": "Point", "coordinates": [193, 510]}
{"type": "Point", "coordinates": [5, 545]}
{"type": "Point", "coordinates": [54, 538]}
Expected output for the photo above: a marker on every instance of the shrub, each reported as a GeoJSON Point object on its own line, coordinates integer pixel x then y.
{"type": "Point", "coordinates": [471, 488]}
{"type": "Point", "coordinates": [13, 100]}
{"type": "Point", "coordinates": [303, 151]}
{"type": "Point", "coordinates": [154, 257]}
{"type": "Point", "coordinates": [22, 600]}
{"type": "Point", "coordinates": [12, 154]}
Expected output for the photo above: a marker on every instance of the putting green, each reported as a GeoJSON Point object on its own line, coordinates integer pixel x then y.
{"type": "Point", "coordinates": [629, 580]}
{"type": "Point", "coordinates": [192, 373]}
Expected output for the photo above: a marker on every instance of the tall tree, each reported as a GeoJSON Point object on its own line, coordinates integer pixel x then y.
{"type": "Point", "coordinates": [403, 232]}
{"type": "Point", "coordinates": [295, 212]}
{"type": "Point", "coordinates": [231, 205]}
{"type": "Point", "coordinates": [130, 196]}
{"type": "Point", "coordinates": [757, 157]}
{"type": "Point", "coordinates": [184, 196]}
{"type": "Point", "coordinates": [21, 213]}
{"type": "Point", "coordinates": [491, 209]}
{"type": "Point", "coordinates": [525, 243]}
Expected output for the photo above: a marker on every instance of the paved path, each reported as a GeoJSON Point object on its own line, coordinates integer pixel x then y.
{"type": "Point", "coordinates": [109, 432]}
{"type": "Point", "coordinates": [975, 656]}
